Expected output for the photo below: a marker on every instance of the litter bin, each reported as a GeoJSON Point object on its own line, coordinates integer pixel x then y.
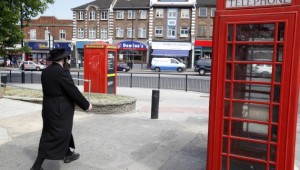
{"type": "Point", "coordinates": [3, 80]}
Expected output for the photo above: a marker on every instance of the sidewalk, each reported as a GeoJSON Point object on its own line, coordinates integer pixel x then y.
{"type": "Point", "coordinates": [133, 141]}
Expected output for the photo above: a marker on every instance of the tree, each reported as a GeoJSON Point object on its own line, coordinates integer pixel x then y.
{"type": "Point", "coordinates": [12, 15]}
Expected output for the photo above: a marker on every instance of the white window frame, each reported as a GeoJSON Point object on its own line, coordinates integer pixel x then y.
{"type": "Point", "coordinates": [202, 10]}
{"type": "Point", "coordinates": [119, 32]}
{"type": "Point", "coordinates": [143, 14]}
{"type": "Point", "coordinates": [212, 12]}
{"type": "Point", "coordinates": [159, 13]}
{"type": "Point", "coordinates": [47, 34]}
{"type": "Point", "coordinates": [171, 32]}
{"type": "Point", "coordinates": [62, 34]}
{"type": "Point", "coordinates": [171, 22]}
{"type": "Point", "coordinates": [80, 15]}
{"type": "Point", "coordinates": [142, 32]}
{"type": "Point", "coordinates": [120, 14]}
{"type": "Point", "coordinates": [92, 33]}
{"type": "Point", "coordinates": [32, 34]}
{"type": "Point", "coordinates": [184, 32]}
{"type": "Point", "coordinates": [130, 33]}
{"type": "Point", "coordinates": [80, 33]}
{"type": "Point", "coordinates": [131, 14]}
{"type": "Point", "coordinates": [92, 15]}
{"type": "Point", "coordinates": [185, 13]}
{"type": "Point", "coordinates": [159, 31]}
{"type": "Point", "coordinates": [104, 34]}
{"type": "Point", "coordinates": [172, 13]}
{"type": "Point", "coordinates": [104, 15]}
{"type": "Point", "coordinates": [202, 30]}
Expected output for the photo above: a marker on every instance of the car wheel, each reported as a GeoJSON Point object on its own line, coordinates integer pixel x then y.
{"type": "Point", "coordinates": [38, 68]}
{"type": "Point", "coordinates": [157, 69]}
{"type": "Point", "coordinates": [124, 70]}
{"type": "Point", "coordinates": [202, 72]}
{"type": "Point", "coordinates": [179, 69]}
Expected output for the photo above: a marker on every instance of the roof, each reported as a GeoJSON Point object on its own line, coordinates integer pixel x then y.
{"type": "Point", "coordinates": [206, 3]}
{"type": "Point", "coordinates": [101, 4]}
{"type": "Point", "coordinates": [136, 4]}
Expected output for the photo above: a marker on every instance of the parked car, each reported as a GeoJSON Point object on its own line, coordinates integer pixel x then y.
{"type": "Point", "coordinates": [203, 66]}
{"type": "Point", "coordinates": [167, 64]}
{"type": "Point", "coordinates": [123, 67]}
{"type": "Point", "coordinates": [262, 69]}
{"type": "Point", "coordinates": [30, 65]}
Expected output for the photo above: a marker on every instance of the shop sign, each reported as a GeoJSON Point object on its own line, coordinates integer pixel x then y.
{"type": "Point", "coordinates": [44, 45]}
{"type": "Point", "coordinates": [171, 46]}
{"type": "Point", "coordinates": [131, 45]}
{"type": "Point", "coordinates": [255, 3]}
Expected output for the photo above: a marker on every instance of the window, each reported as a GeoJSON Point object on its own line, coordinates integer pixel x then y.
{"type": "Point", "coordinates": [92, 33]}
{"type": "Point", "coordinates": [142, 32]}
{"type": "Point", "coordinates": [202, 12]}
{"type": "Point", "coordinates": [158, 31]}
{"type": "Point", "coordinates": [143, 14]}
{"type": "Point", "coordinates": [119, 32]}
{"type": "Point", "coordinates": [171, 22]}
{"type": "Point", "coordinates": [103, 15]}
{"type": "Point", "coordinates": [212, 12]}
{"type": "Point", "coordinates": [184, 32]}
{"type": "Point", "coordinates": [185, 13]}
{"type": "Point", "coordinates": [131, 14]}
{"type": "Point", "coordinates": [202, 30]}
{"type": "Point", "coordinates": [33, 34]}
{"type": "Point", "coordinates": [103, 33]}
{"type": "Point", "coordinates": [92, 15]}
{"type": "Point", "coordinates": [120, 14]}
{"type": "Point", "coordinates": [62, 34]}
{"type": "Point", "coordinates": [80, 15]}
{"type": "Point", "coordinates": [171, 32]}
{"type": "Point", "coordinates": [80, 33]}
{"type": "Point", "coordinates": [172, 13]}
{"type": "Point", "coordinates": [159, 13]}
{"type": "Point", "coordinates": [130, 33]}
{"type": "Point", "coordinates": [46, 34]}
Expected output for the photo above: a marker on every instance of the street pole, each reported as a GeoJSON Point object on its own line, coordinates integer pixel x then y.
{"type": "Point", "coordinates": [131, 51]}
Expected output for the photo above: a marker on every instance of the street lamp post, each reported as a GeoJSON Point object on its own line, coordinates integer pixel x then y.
{"type": "Point", "coordinates": [131, 51]}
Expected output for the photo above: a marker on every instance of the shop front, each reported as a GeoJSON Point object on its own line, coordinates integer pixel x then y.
{"type": "Point", "coordinates": [203, 49]}
{"type": "Point", "coordinates": [179, 50]}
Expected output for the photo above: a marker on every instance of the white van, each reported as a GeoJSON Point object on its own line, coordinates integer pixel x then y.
{"type": "Point", "coordinates": [167, 64]}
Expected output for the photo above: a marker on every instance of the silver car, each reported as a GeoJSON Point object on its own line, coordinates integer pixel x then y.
{"type": "Point", "coordinates": [30, 65]}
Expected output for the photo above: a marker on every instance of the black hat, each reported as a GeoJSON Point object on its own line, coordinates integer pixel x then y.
{"type": "Point", "coordinates": [57, 54]}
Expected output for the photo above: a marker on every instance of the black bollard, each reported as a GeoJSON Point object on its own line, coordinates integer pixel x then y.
{"type": "Point", "coordinates": [23, 77]}
{"type": "Point", "coordinates": [155, 104]}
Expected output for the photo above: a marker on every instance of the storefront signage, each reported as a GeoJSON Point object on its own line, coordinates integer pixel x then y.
{"type": "Point", "coordinates": [131, 45]}
{"type": "Point", "coordinates": [44, 45]}
{"type": "Point", "coordinates": [171, 46]}
{"type": "Point", "coordinates": [251, 3]}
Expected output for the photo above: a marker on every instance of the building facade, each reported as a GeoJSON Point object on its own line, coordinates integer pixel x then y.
{"type": "Point", "coordinates": [45, 33]}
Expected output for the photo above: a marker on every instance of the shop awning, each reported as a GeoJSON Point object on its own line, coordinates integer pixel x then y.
{"type": "Point", "coordinates": [171, 53]}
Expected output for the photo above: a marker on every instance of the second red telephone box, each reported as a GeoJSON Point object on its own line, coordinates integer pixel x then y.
{"type": "Point", "coordinates": [100, 67]}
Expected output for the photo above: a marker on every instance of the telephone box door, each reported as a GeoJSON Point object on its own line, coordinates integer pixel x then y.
{"type": "Point", "coordinates": [249, 109]}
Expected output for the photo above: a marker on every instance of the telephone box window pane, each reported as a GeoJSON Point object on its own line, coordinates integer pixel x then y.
{"type": "Point", "coordinates": [278, 70]}
{"type": "Point", "coordinates": [229, 52]}
{"type": "Point", "coordinates": [255, 32]}
{"type": "Point", "coordinates": [226, 108]}
{"type": "Point", "coordinates": [253, 72]}
{"type": "Point", "coordinates": [274, 131]}
{"type": "Point", "coordinates": [238, 164]}
{"type": "Point", "coordinates": [276, 93]}
{"type": "Point", "coordinates": [256, 92]}
{"type": "Point", "coordinates": [230, 32]}
{"type": "Point", "coordinates": [273, 153]}
{"type": "Point", "coordinates": [224, 163]}
{"type": "Point", "coordinates": [249, 130]}
{"type": "Point", "coordinates": [228, 71]}
{"type": "Point", "coordinates": [225, 145]}
{"type": "Point", "coordinates": [251, 111]}
{"type": "Point", "coordinates": [262, 53]}
{"type": "Point", "coordinates": [227, 90]}
{"type": "Point", "coordinates": [248, 149]}
{"type": "Point", "coordinates": [226, 126]}
{"type": "Point", "coordinates": [279, 53]}
{"type": "Point", "coordinates": [281, 28]}
{"type": "Point", "coordinates": [275, 114]}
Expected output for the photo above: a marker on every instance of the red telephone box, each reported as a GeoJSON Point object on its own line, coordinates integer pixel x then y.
{"type": "Point", "coordinates": [100, 61]}
{"type": "Point", "coordinates": [254, 85]}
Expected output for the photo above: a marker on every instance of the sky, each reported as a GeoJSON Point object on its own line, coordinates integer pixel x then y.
{"type": "Point", "coordinates": [61, 9]}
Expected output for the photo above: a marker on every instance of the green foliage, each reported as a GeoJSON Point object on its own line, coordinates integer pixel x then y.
{"type": "Point", "coordinates": [11, 14]}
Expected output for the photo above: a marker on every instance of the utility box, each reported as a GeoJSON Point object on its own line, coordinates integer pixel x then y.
{"type": "Point", "coordinates": [100, 67]}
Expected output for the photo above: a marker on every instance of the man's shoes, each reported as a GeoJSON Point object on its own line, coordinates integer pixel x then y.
{"type": "Point", "coordinates": [71, 158]}
{"type": "Point", "coordinates": [36, 169]}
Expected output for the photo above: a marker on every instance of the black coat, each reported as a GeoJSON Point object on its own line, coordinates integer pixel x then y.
{"type": "Point", "coordinates": [60, 97]}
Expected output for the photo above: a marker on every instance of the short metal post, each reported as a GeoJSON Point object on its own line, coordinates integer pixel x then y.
{"type": "Point", "coordinates": [158, 86]}
{"type": "Point", "coordinates": [155, 104]}
{"type": "Point", "coordinates": [186, 82]}
{"type": "Point", "coordinates": [130, 79]}
{"type": "Point", "coordinates": [10, 75]}
{"type": "Point", "coordinates": [78, 78]}
{"type": "Point", "coordinates": [23, 77]}
{"type": "Point", "coordinates": [31, 78]}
